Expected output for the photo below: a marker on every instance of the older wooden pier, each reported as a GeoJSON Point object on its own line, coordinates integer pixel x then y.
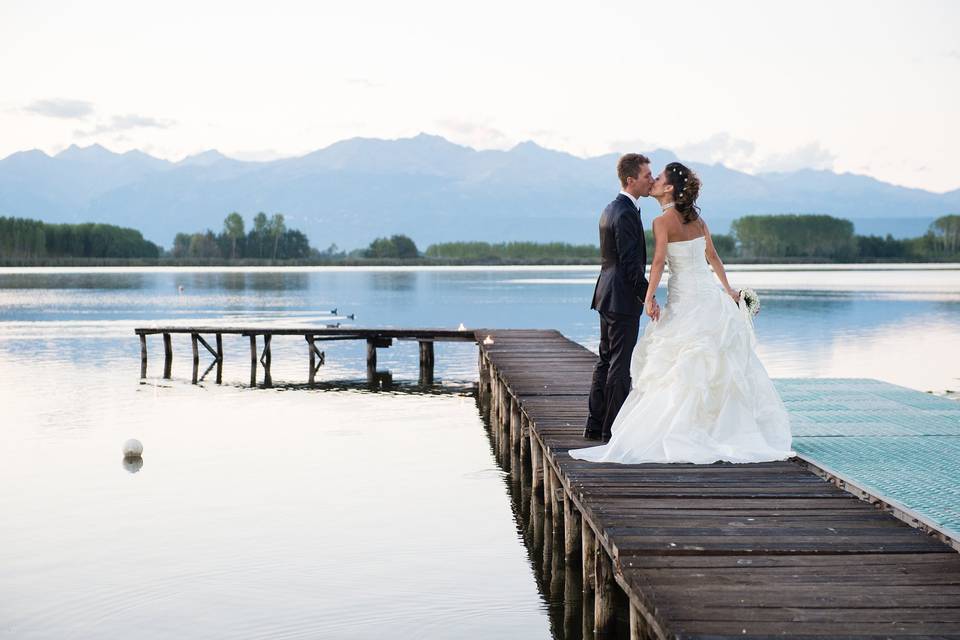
{"type": "Point", "coordinates": [698, 551]}
{"type": "Point", "coordinates": [375, 339]}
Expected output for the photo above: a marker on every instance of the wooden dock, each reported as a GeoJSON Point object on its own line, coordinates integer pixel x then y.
{"type": "Point", "coordinates": [698, 551]}
{"type": "Point", "coordinates": [375, 339]}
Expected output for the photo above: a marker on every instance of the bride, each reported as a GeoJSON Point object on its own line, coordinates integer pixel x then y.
{"type": "Point", "coordinates": [700, 394]}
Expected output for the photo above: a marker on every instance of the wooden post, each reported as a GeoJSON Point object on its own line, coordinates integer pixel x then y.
{"type": "Point", "coordinates": [219, 358]}
{"type": "Point", "coordinates": [311, 377]}
{"type": "Point", "coordinates": [603, 614]}
{"type": "Point", "coordinates": [483, 387]}
{"type": "Point", "coordinates": [196, 357]}
{"type": "Point", "coordinates": [426, 362]}
{"type": "Point", "coordinates": [547, 484]}
{"type": "Point", "coordinates": [267, 379]}
{"type": "Point", "coordinates": [536, 464]}
{"type": "Point", "coordinates": [524, 439]}
{"type": "Point", "coordinates": [571, 529]}
{"type": "Point", "coordinates": [371, 359]}
{"type": "Point", "coordinates": [143, 356]}
{"type": "Point", "coordinates": [167, 356]}
{"type": "Point", "coordinates": [253, 360]}
{"type": "Point", "coordinates": [515, 431]}
{"type": "Point", "coordinates": [504, 409]}
{"type": "Point", "coordinates": [588, 559]}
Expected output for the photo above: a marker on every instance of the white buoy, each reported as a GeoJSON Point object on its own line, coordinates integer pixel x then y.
{"type": "Point", "coordinates": [461, 327]}
{"type": "Point", "coordinates": [180, 288]}
{"type": "Point", "coordinates": [132, 448]}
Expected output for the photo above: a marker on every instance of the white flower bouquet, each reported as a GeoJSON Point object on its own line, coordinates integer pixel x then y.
{"type": "Point", "coordinates": [750, 300]}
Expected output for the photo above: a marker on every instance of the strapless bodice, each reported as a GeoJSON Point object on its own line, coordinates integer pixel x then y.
{"type": "Point", "coordinates": [686, 255]}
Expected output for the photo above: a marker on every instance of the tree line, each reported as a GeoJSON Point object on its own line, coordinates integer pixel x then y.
{"type": "Point", "coordinates": [268, 239]}
{"type": "Point", "coordinates": [33, 239]}
{"type": "Point", "coordinates": [829, 238]}
{"type": "Point", "coordinates": [753, 238]}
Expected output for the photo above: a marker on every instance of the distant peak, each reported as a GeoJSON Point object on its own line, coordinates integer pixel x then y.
{"type": "Point", "coordinates": [203, 158]}
{"type": "Point", "coordinates": [77, 151]}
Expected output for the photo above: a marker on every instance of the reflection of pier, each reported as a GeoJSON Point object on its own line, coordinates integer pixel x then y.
{"type": "Point", "coordinates": [684, 551]}
{"type": "Point", "coordinates": [375, 339]}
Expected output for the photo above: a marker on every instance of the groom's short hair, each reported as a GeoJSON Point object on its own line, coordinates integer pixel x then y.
{"type": "Point", "coordinates": [628, 166]}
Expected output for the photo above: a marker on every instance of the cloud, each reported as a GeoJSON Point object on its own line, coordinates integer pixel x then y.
{"type": "Point", "coordinates": [475, 133]}
{"type": "Point", "coordinates": [61, 108]}
{"type": "Point", "coordinates": [125, 123]}
{"type": "Point", "coordinates": [720, 148]}
{"type": "Point", "coordinates": [365, 83]}
{"type": "Point", "coordinates": [810, 156]}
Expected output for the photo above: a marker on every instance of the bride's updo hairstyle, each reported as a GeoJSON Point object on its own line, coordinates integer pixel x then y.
{"type": "Point", "coordinates": [686, 189]}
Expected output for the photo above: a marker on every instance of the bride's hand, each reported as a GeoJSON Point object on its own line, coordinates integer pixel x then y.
{"type": "Point", "coordinates": [733, 293]}
{"type": "Point", "coordinates": [652, 309]}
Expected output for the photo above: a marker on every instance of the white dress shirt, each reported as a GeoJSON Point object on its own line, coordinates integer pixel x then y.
{"type": "Point", "coordinates": [636, 203]}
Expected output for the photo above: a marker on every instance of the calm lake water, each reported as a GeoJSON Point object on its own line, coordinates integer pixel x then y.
{"type": "Point", "coordinates": [334, 512]}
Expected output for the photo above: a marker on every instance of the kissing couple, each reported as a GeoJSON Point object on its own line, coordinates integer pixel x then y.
{"type": "Point", "coordinates": [692, 388]}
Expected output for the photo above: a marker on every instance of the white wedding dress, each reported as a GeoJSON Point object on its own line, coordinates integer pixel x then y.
{"type": "Point", "coordinates": [700, 393]}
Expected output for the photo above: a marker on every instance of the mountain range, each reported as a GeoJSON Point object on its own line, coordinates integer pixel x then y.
{"type": "Point", "coordinates": [426, 187]}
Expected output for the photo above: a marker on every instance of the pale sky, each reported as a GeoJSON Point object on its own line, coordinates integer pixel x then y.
{"type": "Point", "coordinates": [869, 87]}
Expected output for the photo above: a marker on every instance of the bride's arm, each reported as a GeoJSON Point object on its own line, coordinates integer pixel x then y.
{"type": "Point", "coordinates": [714, 259]}
{"type": "Point", "coordinates": [656, 268]}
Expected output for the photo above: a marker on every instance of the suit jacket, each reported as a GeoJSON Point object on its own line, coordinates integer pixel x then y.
{"type": "Point", "coordinates": [622, 284]}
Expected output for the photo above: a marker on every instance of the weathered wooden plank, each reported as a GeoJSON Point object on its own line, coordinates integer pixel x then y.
{"type": "Point", "coordinates": [697, 547]}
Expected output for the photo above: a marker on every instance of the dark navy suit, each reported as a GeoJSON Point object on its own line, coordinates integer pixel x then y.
{"type": "Point", "coordinates": [618, 297]}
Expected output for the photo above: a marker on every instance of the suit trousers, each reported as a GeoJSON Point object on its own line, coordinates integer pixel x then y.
{"type": "Point", "coordinates": [611, 377]}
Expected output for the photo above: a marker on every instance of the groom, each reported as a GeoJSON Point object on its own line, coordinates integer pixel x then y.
{"type": "Point", "coordinates": [619, 294]}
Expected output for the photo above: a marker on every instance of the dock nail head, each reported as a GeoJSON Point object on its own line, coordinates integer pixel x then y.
{"type": "Point", "coordinates": [488, 340]}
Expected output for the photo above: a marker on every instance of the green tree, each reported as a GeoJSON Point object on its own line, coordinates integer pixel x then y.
{"type": "Point", "coordinates": [261, 226]}
{"type": "Point", "coordinates": [793, 236]}
{"type": "Point", "coordinates": [946, 229]}
{"type": "Point", "coordinates": [277, 227]}
{"type": "Point", "coordinates": [233, 229]}
{"type": "Point", "coordinates": [396, 247]}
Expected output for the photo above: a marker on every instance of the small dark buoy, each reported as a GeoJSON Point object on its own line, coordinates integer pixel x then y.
{"type": "Point", "coordinates": [333, 311]}
{"type": "Point", "coordinates": [350, 316]}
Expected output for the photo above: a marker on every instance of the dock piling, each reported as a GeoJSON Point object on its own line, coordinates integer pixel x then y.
{"type": "Point", "coordinates": [426, 362]}
{"type": "Point", "coordinates": [196, 356]}
{"type": "Point", "coordinates": [143, 356]}
{"type": "Point", "coordinates": [167, 356]}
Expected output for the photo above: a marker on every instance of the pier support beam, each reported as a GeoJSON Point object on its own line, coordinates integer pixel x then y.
{"type": "Point", "coordinates": [143, 356]}
{"type": "Point", "coordinates": [167, 356]}
{"type": "Point", "coordinates": [571, 529]}
{"type": "Point", "coordinates": [265, 358]}
{"type": "Point", "coordinates": [603, 604]}
{"type": "Point", "coordinates": [588, 545]}
{"type": "Point", "coordinates": [536, 464]}
{"type": "Point", "coordinates": [524, 440]}
{"type": "Point", "coordinates": [253, 360]}
{"type": "Point", "coordinates": [196, 357]}
{"type": "Point", "coordinates": [515, 430]}
{"type": "Point", "coordinates": [426, 362]}
{"type": "Point", "coordinates": [547, 484]}
{"type": "Point", "coordinates": [372, 345]}
{"type": "Point", "coordinates": [219, 358]}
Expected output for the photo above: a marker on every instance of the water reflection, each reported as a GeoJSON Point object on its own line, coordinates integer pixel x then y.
{"type": "Point", "coordinates": [569, 606]}
{"type": "Point", "coordinates": [393, 280]}
{"type": "Point", "coordinates": [133, 464]}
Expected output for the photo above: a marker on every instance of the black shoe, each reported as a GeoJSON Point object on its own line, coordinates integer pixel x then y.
{"type": "Point", "coordinates": [590, 434]}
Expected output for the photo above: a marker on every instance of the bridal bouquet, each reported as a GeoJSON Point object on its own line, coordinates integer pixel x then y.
{"type": "Point", "coordinates": [750, 300]}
